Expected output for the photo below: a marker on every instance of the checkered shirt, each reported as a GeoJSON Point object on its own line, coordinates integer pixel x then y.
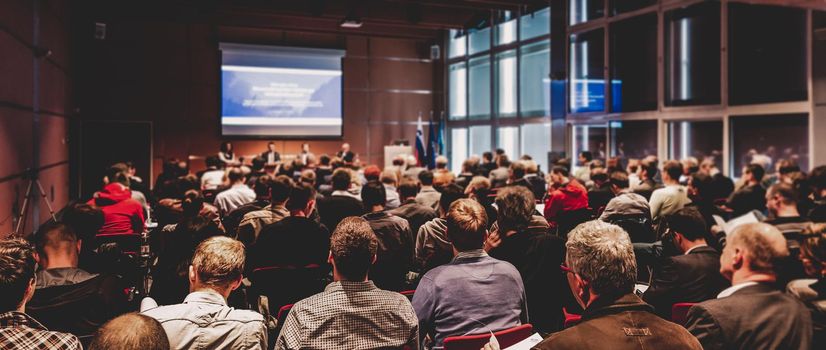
{"type": "Point", "coordinates": [351, 315]}
{"type": "Point", "coordinates": [21, 332]}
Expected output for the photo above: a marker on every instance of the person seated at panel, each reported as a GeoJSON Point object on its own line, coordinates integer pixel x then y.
{"type": "Point", "coordinates": [357, 314]}
{"type": "Point", "coordinates": [812, 290]}
{"type": "Point", "coordinates": [236, 195]}
{"type": "Point", "coordinates": [522, 239]}
{"type": "Point", "coordinates": [472, 294]}
{"type": "Point", "coordinates": [216, 270]}
{"type": "Point", "coordinates": [131, 331]}
{"type": "Point", "coordinates": [121, 213]}
{"type": "Point", "coordinates": [345, 154]}
{"type": "Point", "coordinates": [18, 330]}
{"type": "Point", "coordinates": [395, 255]}
{"type": "Point", "coordinates": [601, 271]}
{"type": "Point", "coordinates": [752, 313]}
{"type": "Point", "coordinates": [428, 195]}
{"type": "Point", "coordinates": [410, 210]}
{"type": "Point", "coordinates": [227, 155]}
{"type": "Point", "coordinates": [271, 156]}
{"type": "Point", "coordinates": [305, 156]}
{"type": "Point", "coordinates": [341, 203]}
{"type": "Point", "coordinates": [433, 247]}
{"type": "Point", "coordinates": [64, 289]}
{"type": "Point", "coordinates": [691, 277]}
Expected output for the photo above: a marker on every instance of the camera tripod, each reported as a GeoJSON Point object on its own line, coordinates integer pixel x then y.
{"type": "Point", "coordinates": [21, 219]}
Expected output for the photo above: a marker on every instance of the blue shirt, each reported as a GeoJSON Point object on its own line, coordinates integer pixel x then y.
{"type": "Point", "coordinates": [472, 294]}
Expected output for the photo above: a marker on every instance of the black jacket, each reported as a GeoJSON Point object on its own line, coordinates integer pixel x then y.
{"type": "Point", "coordinates": [746, 199]}
{"type": "Point", "coordinates": [689, 278]}
{"type": "Point", "coordinates": [415, 214]}
{"type": "Point", "coordinates": [333, 209]}
{"type": "Point", "coordinates": [394, 258]}
{"type": "Point", "coordinates": [755, 317]}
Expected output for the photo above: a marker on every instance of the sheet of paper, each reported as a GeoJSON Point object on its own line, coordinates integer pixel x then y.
{"type": "Point", "coordinates": [641, 288]}
{"type": "Point", "coordinates": [526, 344]}
{"type": "Point", "coordinates": [747, 218]}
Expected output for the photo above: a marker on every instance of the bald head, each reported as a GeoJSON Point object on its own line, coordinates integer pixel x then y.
{"type": "Point", "coordinates": [131, 331]}
{"type": "Point", "coordinates": [752, 249]}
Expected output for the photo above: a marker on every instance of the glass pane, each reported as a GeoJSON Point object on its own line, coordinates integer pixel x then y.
{"type": "Point", "coordinates": [507, 138]}
{"type": "Point", "coordinates": [536, 142]}
{"type": "Point", "coordinates": [534, 80]}
{"type": "Point", "coordinates": [458, 149]}
{"type": "Point", "coordinates": [586, 74]}
{"type": "Point", "coordinates": [588, 138]}
{"type": "Point", "coordinates": [767, 139]}
{"type": "Point", "coordinates": [633, 139]}
{"type": "Point", "coordinates": [458, 44]}
{"type": "Point", "coordinates": [480, 40]}
{"type": "Point", "coordinates": [480, 88]}
{"type": "Point", "coordinates": [458, 90]}
{"type": "Point", "coordinates": [634, 64]}
{"type": "Point", "coordinates": [506, 83]}
{"type": "Point", "coordinates": [622, 6]}
{"type": "Point", "coordinates": [585, 10]}
{"type": "Point", "coordinates": [535, 24]}
{"type": "Point", "coordinates": [767, 54]}
{"type": "Point", "coordinates": [692, 42]}
{"type": "Point", "coordinates": [480, 140]}
{"type": "Point", "coordinates": [506, 32]}
{"type": "Point", "coordinates": [701, 140]}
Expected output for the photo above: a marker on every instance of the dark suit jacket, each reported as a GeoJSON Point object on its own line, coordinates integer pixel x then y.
{"type": "Point", "coordinates": [624, 323]}
{"type": "Point", "coordinates": [266, 155]}
{"type": "Point", "coordinates": [690, 278]}
{"type": "Point", "coordinates": [415, 214]}
{"type": "Point", "coordinates": [333, 209]}
{"type": "Point", "coordinates": [746, 199]}
{"type": "Point", "coordinates": [755, 317]}
{"type": "Point", "coordinates": [538, 186]}
{"type": "Point", "coordinates": [599, 198]}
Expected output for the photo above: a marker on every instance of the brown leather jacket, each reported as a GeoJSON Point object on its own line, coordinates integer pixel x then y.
{"type": "Point", "coordinates": [624, 323]}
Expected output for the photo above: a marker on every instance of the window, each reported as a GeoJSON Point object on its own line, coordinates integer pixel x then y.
{"type": "Point", "coordinates": [480, 139]}
{"type": "Point", "coordinates": [458, 90]}
{"type": "Point", "coordinates": [480, 40]}
{"type": "Point", "coordinates": [767, 139]}
{"type": "Point", "coordinates": [458, 44]}
{"type": "Point", "coordinates": [479, 87]}
{"type": "Point", "coordinates": [506, 83]}
{"type": "Point", "coordinates": [581, 11]}
{"type": "Point", "coordinates": [634, 64]}
{"type": "Point", "coordinates": [506, 32]}
{"type": "Point", "coordinates": [692, 43]}
{"type": "Point", "coordinates": [507, 138]}
{"type": "Point", "coordinates": [633, 139]}
{"type": "Point", "coordinates": [458, 148]}
{"type": "Point", "coordinates": [767, 54]}
{"type": "Point", "coordinates": [622, 6]}
{"type": "Point", "coordinates": [535, 24]}
{"type": "Point", "coordinates": [534, 80]}
{"type": "Point", "coordinates": [698, 139]}
{"type": "Point", "coordinates": [587, 89]}
{"type": "Point", "coordinates": [590, 138]}
{"type": "Point", "coordinates": [536, 142]}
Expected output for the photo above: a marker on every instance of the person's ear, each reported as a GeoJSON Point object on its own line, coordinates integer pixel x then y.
{"type": "Point", "coordinates": [738, 258]}
{"type": "Point", "coordinates": [79, 245]}
{"type": "Point", "coordinates": [310, 206]}
{"type": "Point", "coordinates": [236, 283]}
{"type": "Point", "coordinates": [330, 258]}
{"type": "Point", "coordinates": [30, 290]}
{"type": "Point", "coordinates": [373, 261]}
{"type": "Point", "coordinates": [192, 275]}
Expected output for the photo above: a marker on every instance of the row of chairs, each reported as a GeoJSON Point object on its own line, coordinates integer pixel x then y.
{"type": "Point", "coordinates": [679, 315]}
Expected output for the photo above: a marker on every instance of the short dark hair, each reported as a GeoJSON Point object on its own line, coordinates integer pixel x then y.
{"type": "Point", "coordinates": [587, 155]}
{"type": "Point", "coordinates": [226, 146]}
{"type": "Point", "coordinates": [235, 174]}
{"type": "Point", "coordinates": [53, 234]}
{"type": "Point", "coordinates": [131, 331]}
{"type": "Point", "coordinates": [373, 193]}
{"type": "Point", "coordinates": [117, 173]}
{"type": "Point", "coordinates": [262, 186]}
{"type": "Point", "coordinates": [787, 166]}
{"type": "Point", "coordinates": [619, 178]}
{"type": "Point", "coordinates": [785, 191]}
{"type": "Point", "coordinates": [324, 159]}
{"type": "Point", "coordinates": [426, 178]}
{"type": "Point", "coordinates": [353, 246]}
{"type": "Point", "coordinates": [466, 224]}
{"type": "Point", "coordinates": [674, 169]}
{"type": "Point", "coordinates": [704, 184]}
{"type": "Point", "coordinates": [17, 267]}
{"type": "Point", "coordinates": [518, 169]}
{"type": "Point", "coordinates": [650, 168]}
{"type": "Point", "coordinates": [280, 188]}
{"type": "Point", "coordinates": [219, 261]}
{"type": "Point", "coordinates": [258, 163]}
{"type": "Point", "coordinates": [515, 207]}
{"type": "Point", "coordinates": [213, 161]}
{"type": "Point", "coordinates": [688, 222]}
{"type": "Point", "coordinates": [300, 195]}
{"type": "Point", "coordinates": [192, 203]}
{"type": "Point", "coordinates": [341, 179]}
{"type": "Point", "coordinates": [409, 188]}
{"type": "Point", "coordinates": [450, 193]}
{"type": "Point", "coordinates": [487, 156]}
{"type": "Point", "coordinates": [503, 161]}
{"type": "Point", "coordinates": [756, 170]}
{"type": "Point", "coordinates": [560, 170]}
{"type": "Point", "coordinates": [86, 220]}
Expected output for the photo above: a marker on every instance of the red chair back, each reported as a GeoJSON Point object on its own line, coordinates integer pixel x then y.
{"type": "Point", "coordinates": [505, 337]}
{"type": "Point", "coordinates": [679, 311]}
{"type": "Point", "coordinates": [570, 319]}
{"type": "Point", "coordinates": [408, 294]}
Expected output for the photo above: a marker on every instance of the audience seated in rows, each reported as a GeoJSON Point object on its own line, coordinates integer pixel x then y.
{"type": "Point", "coordinates": [122, 214]}
{"type": "Point", "coordinates": [647, 175]}
{"type": "Point", "coordinates": [395, 254]}
{"type": "Point", "coordinates": [565, 195]}
{"type": "Point", "coordinates": [236, 195]}
{"type": "Point", "coordinates": [473, 293]}
{"type": "Point", "coordinates": [479, 189]}
{"type": "Point", "coordinates": [499, 175]}
{"type": "Point", "coordinates": [253, 222]}
{"type": "Point", "coordinates": [410, 210]}
{"type": "Point", "coordinates": [215, 271]}
{"type": "Point", "coordinates": [428, 195]}
{"type": "Point", "coordinates": [261, 187]}
{"type": "Point", "coordinates": [673, 196]}
{"type": "Point", "coordinates": [131, 331]}
{"type": "Point", "coordinates": [433, 247]}
{"type": "Point", "coordinates": [751, 195]}
{"type": "Point", "coordinates": [341, 203]}
{"type": "Point", "coordinates": [351, 313]}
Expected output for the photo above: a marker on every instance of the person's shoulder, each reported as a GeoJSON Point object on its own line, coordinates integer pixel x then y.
{"type": "Point", "coordinates": [564, 339]}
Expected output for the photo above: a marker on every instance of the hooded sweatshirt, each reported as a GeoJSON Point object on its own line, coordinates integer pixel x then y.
{"type": "Point", "coordinates": [433, 248]}
{"type": "Point", "coordinates": [121, 213]}
{"type": "Point", "coordinates": [570, 197]}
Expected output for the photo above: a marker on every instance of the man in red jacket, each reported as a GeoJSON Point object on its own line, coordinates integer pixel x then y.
{"type": "Point", "coordinates": [121, 213]}
{"type": "Point", "coordinates": [565, 195]}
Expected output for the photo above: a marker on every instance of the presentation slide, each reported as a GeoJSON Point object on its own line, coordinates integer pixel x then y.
{"type": "Point", "coordinates": [270, 91]}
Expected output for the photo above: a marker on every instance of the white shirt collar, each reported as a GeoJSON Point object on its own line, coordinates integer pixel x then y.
{"type": "Point", "coordinates": [733, 289]}
{"type": "Point", "coordinates": [694, 247]}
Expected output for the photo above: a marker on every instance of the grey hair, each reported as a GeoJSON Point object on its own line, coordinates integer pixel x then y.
{"type": "Point", "coordinates": [602, 254]}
